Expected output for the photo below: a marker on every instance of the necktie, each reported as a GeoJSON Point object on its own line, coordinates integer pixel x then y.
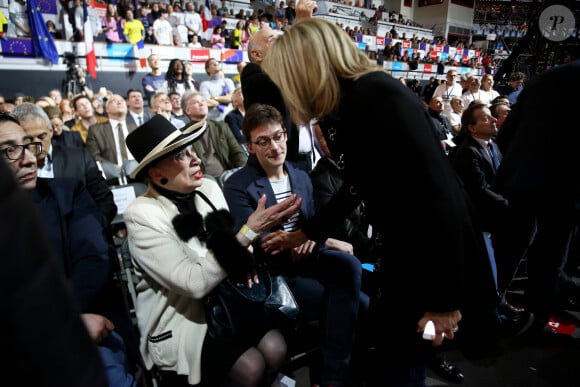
{"type": "Point", "coordinates": [494, 157]}
{"type": "Point", "coordinates": [140, 120]}
{"type": "Point", "coordinates": [122, 145]}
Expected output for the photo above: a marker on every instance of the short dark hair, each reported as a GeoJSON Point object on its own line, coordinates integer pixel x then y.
{"type": "Point", "coordinates": [259, 114]}
{"type": "Point", "coordinates": [78, 98]}
{"type": "Point", "coordinates": [468, 116]}
{"type": "Point", "coordinates": [493, 107]}
{"type": "Point", "coordinates": [133, 91]}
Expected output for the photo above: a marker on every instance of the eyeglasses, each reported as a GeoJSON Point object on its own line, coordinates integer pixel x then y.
{"type": "Point", "coordinates": [16, 152]}
{"type": "Point", "coordinates": [264, 142]}
{"type": "Point", "coordinates": [185, 154]}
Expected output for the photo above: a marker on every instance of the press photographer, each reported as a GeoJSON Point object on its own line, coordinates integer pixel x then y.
{"type": "Point", "coordinates": [76, 81]}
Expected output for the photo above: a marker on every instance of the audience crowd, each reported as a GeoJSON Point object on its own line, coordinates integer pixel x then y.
{"type": "Point", "coordinates": [175, 130]}
{"type": "Point", "coordinates": [193, 24]}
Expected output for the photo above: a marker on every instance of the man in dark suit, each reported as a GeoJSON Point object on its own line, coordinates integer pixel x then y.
{"type": "Point", "coordinates": [31, 272]}
{"type": "Point", "coordinates": [474, 163]}
{"type": "Point", "coordinates": [75, 228]}
{"type": "Point", "coordinates": [441, 123]}
{"type": "Point", "coordinates": [106, 141]}
{"type": "Point", "coordinates": [59, 134]}
{"type": "Point", "coordinates": [62, 161]}
{"type": "Point", "coordinates": [137, 113]}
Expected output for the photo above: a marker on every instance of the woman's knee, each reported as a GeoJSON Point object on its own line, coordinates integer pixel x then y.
{"type": "Point", "coordinates": [273, 348]}
{"type": "Point", "coordinates": [249, 369]}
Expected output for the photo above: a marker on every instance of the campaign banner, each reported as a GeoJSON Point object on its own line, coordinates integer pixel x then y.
{"type": "Point", "coordinates": [119, 52]}
{"type": "Point", "coordinates": [371, 41]}
{"type": "Point", "coordinates": [397, 66]}
{"type": "Point", "coordinates": [199, 55]}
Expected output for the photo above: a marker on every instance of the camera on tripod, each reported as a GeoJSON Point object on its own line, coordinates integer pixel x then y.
{"type": "Point", "coordinates": [71, 85]}
{"type": "Point", "coordinates": [70, 60]}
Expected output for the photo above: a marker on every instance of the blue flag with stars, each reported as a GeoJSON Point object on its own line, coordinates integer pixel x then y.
{"type": "Point", "coordinates": [42, 41]}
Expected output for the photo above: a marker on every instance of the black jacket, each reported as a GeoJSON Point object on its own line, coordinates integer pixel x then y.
{"type": "Point", "coordinates": [78, 163]}
{"type": "Point", "coordinates": [257, 87]}
{"type": "Point", "coordinates": [40, 314]}
{"type": "Point", "coordinates": [326, 181]}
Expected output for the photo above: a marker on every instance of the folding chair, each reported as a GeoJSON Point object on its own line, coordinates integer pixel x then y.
{"type": "Point", "coordinates": [146, 378]}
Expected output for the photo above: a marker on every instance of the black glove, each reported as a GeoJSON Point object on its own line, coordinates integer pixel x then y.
{"type": "Point", "coordinates": [220, 238]}
{"type": "Point", "coordinates": [188, 224]}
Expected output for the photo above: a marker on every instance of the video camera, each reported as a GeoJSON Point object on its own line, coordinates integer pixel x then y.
{"type": "Point", "coordinates": [70, 59]}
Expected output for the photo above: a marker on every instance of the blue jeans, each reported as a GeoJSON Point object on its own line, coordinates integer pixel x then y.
{"type": "Point", "coordinates": [330, 283]}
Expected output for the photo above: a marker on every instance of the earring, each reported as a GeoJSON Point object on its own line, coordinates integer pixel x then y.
{"type": "Point", "coordinates": [163, 181]}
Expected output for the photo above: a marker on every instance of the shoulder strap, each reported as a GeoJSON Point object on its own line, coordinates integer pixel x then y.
{"type": "Point", "coordinates": [206, 199]}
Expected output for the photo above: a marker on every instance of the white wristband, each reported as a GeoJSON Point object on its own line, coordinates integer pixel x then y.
{"type": "Point", "coordinates": [248, 233]}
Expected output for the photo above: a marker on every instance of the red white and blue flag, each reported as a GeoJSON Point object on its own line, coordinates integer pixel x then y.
{"type": "Point", "coordinates": [90, 57]}
{"type": "Point", "coordinates": [139, 53]}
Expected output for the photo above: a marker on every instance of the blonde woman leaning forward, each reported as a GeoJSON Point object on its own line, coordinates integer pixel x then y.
{"type": "Point", "coordinates": [421, 222]}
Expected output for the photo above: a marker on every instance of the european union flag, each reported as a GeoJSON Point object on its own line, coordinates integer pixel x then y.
{"type": "Point", "coordinates": [16, 47]}
{"type": "Point", "coordinates": [42, 41]}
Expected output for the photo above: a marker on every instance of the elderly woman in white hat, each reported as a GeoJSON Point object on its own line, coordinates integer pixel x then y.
{"type": "Point", "coordinates": [177, 269]}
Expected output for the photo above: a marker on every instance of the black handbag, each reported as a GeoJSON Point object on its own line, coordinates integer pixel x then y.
{"type": "Point", "coordinates": [234, 309]}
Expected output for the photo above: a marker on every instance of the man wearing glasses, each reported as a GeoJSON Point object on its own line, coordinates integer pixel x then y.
{"type": "Point", "coordinates": [447, 90]}
{"type": "Point", "coordinates": [61, 161]}
{"type": "Point", "coordinates": [33, 269]}
{"type": "Point", "coordinates": [219, 149]}
{"type": "Point", "coordinates": [75, 228]}
{"type": "Point", "coordinates": [325, 279]}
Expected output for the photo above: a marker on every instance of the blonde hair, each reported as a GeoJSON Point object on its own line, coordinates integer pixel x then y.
{"type": "Point", "coordinates": [306, 63]}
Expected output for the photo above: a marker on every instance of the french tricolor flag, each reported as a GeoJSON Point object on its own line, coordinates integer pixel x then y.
{"type": "Point", "coordinates": [90, 57]}
{"type": "Point", "coordinates": [139, 53]}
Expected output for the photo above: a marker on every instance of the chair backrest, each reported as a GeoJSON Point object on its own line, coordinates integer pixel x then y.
{"type": "Point", "coordinates": [127, 276]}
{"type": "Point", "coordinates": [124, 195]}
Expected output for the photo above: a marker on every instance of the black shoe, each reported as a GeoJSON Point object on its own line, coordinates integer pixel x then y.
{"type": "Point", "coordinates": [446, 370]}
{"type": "Point", "coordinates": [510, 310]}
{"type": "Point", "coordinates": [515, 326]}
